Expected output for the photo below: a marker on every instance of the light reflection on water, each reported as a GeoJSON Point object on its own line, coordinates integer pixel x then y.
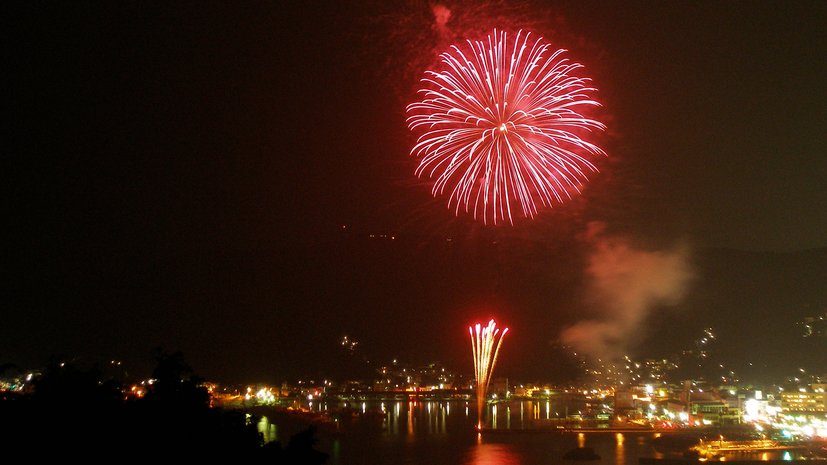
{"type": "Point", "coordinates": [420, 431]}
{"type": "Point", "coordinates": [490, 454]}
{"type": "Point", "coordinates": [269, 431]}
{"type": "Point", "coordinates": [620, 452]}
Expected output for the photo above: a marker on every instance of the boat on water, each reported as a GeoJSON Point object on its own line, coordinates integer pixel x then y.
{"type": "Point", "coordinates": [675, 461]}
{"type": "Point", "coordinates": [763, 451]}
{"type": "Point", "coordinates": [762, 448]}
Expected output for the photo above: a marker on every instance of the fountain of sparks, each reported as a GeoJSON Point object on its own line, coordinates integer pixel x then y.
{"type": "Point", "coordinates": [485, 356]}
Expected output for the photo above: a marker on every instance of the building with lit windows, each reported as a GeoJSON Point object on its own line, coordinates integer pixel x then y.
{"type": "Point", "coordinates": [805, 400]}
{"type": "Point", "coordinates": [715, 412]}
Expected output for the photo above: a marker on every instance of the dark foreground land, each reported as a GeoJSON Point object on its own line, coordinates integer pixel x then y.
{"type": "Point", "coordinates": [72, 414]}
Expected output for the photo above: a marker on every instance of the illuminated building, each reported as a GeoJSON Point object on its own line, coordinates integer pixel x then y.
{"type": "Point", "coordinates": [805, 400]}
{"type": "Point", "coordinates": [715, 412]}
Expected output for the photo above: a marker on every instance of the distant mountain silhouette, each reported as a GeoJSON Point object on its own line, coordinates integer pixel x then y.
{"type": "Point", "coordinates": [755, 300]}
{"type": "Point", "coordinates": [280, 314]}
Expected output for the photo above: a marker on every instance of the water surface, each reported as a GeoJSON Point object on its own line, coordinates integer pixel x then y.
{"type": "Point", "coordinates": [444, 432]}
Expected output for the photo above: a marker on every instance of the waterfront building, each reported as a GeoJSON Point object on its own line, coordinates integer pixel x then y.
{"type": "Point", "coordinates": [812, 400]}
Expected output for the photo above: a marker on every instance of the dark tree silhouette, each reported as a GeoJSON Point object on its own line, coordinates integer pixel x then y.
{"type": "Point", "coordinates": [73, 414]}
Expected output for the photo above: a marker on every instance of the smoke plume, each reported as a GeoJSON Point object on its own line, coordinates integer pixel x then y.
{"type": "Point", "coordinates": [625, 285]}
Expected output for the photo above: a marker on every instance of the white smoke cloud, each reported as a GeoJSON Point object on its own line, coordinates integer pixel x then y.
{"type": "Point", "coordinates": [626, 285]}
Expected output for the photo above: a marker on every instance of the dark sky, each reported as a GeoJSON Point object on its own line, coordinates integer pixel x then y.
{"type": "Point", "coordinates": [179, 176]}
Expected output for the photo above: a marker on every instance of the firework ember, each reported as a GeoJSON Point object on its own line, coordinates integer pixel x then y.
{"type": "Point", "coordinates": [501, 127]}
{"type": "Point", "coordinates": [485, 357]}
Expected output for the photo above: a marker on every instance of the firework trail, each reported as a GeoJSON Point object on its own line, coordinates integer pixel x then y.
{"type": "Point", "coordinates": [482, 342]}
{"type": "Point", "coordinates": [501, 126]}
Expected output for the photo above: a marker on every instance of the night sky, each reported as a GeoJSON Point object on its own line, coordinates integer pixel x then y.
{"type": "Point", "coordinates": [206, 178]}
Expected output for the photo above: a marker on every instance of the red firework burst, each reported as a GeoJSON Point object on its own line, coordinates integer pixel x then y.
{"type": "Point", "coordinates": [501, 126]}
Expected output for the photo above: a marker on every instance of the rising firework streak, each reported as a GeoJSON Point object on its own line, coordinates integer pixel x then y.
{"type": "Point", "coordinates": [501, 127]}
{"type": "Point", "coordinates": [482, 343]}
